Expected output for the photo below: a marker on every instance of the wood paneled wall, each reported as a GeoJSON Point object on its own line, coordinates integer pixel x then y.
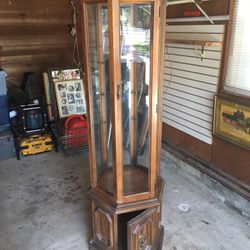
{"type": "Point", "coordinates": [34, 35]}
{"type": "Point", "coordinates": [233, 160]}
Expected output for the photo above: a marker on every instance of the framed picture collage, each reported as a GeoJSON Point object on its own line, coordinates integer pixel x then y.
{"type": "Point", "coordinates": [69, 92]}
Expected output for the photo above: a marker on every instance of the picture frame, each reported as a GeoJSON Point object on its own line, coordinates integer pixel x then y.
{"type": "Point", "coordinates": [232, 122]}
{"type": "Point", "coordinates": [55, 100]}
{"type": "Point", "coordinates": [66, 74]}
{"type": "Point", "coordinates": [49, 96]}
{"type": "Point", "coordinates": [70, 97]}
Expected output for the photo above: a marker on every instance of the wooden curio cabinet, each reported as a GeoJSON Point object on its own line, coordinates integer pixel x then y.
{"type": "Point", "coordinates": [122, 44]}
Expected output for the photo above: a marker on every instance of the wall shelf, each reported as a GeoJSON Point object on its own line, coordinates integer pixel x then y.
{"type": "Point", "coordinates": [195, 42]}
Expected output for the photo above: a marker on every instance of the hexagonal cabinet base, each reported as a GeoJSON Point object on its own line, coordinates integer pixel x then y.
{"type": "Point", "coordinates": [132, 226]}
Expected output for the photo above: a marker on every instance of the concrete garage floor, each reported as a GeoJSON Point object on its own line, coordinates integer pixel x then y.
{"type": "Point", "coordinates": [43, 206]}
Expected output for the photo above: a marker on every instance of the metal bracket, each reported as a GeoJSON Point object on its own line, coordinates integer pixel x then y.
{"type": "Point", "coordinates": [201, 54]}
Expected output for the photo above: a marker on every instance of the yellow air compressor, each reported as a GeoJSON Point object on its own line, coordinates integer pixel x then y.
{"type": "Point", "coordinates": [35, 144]}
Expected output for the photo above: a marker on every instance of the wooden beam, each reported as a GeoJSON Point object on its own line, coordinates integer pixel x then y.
{"type": "Point", "coordinates": [116, 96]}
{"type": "Point", "coordinates": [193, 42]}
{"type": "Point", "coordinates": [89, 96]}
{"type": "Point", "coordinates": [154, 91]}
{"type": "Point", "coordinates": [103, 105]}
{"type": "Point", "coordinates": [225, 53]}
{"type": "Point", "coordinates": [161, 81]}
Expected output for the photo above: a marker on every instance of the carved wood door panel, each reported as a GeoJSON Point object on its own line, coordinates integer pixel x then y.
{"type": "Point", "coordinates": [143, 230]}
{"type": "Point", "coordinates": [103, 229]}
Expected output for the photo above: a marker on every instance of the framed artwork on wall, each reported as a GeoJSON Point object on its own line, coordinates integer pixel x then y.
{"type": "Point", "coordinates": [70, 97]}
{"type": "Point", "coordinates": [232, 121]}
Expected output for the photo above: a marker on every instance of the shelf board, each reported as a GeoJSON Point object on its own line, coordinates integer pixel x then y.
{"type": "Point", "coordinates": [195, 42]}
{"type": "Point", "coordinates": [135, 180]}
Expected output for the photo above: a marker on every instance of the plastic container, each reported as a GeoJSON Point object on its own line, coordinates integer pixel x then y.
{"type": "Point", "coordinates": [76, 130]}
{"type": "Point", "coordinates": [3, 85]}
{"type": "Point", "coordinates": [4, 110]}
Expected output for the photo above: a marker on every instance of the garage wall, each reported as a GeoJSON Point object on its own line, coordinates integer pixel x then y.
{"type": "Point", "coordinates": [221, 156]}
{"type": "Point", "coordinates": [34, 35]}
{"type": "Point", "coordinates": [191, 78]}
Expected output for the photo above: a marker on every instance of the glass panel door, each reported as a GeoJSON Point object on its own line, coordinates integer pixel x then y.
{"type": "Point", "coordinates": [135, 45]}
{"type": "Point", "coordinates": [97, 18]}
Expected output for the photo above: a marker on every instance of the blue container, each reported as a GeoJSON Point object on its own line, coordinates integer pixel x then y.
{"type": "Point", "coordinates": [3, 86]}
{"type": "Point", "coordinates": [7, 146]}
{"type": "Point", "coordinates": [4, 110]}
{"type": "Point", "coordinates": [4, 128]}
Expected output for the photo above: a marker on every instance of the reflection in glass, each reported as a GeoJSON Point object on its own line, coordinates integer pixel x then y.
{"type": "Point", "coordinates": [135, 30]}
{"type": "Point", "coordinates": [135, 43]}
{"type": "Point", "coordinates": [99, 61]}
